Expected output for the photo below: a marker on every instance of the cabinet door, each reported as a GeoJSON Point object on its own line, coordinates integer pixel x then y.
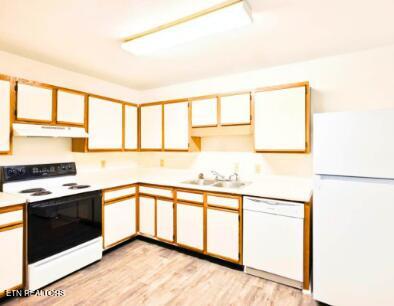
{"type": "Point", "coordinates": [70, 107]}
{"type": "Point", "coordinates": [235, 109]}
{"type": "Point", "coordinates": [176, 126]}
{"type": "Point", "coordinates": [34, 103]}
{"type": "Point", "coordinates": [223, 233]}
{"type": "Point", "coordinates": [205, 112]}
{"type": "Point", "coordinates": [11, 258]}
{"type": "Point", "coordinates": [119, 221]}
{"type": "Point", "coordinates": [131, 127]}
{"type": "Point", "coordinates": [147, 215]}
{"type": "Point", "coordinates": [5, 116]}
{"type": "Point", "coordinates": [165, 220]}
{"type": "Point", "coordinates": [190, 226]}
{"type": "Point", "coordinates": [151, 127]}
{"type": "Point", "coordinates": [280, 120]}
{"type": "Point", "coordinates": [105, 124]}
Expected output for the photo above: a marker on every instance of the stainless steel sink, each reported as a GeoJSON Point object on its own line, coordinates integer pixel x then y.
{"type": "Point", "coordinates": [216, 183]}
{"type": "Point", "coordinates": [202, 182]}
{"type": "Point", "coordinates": [229, 184]}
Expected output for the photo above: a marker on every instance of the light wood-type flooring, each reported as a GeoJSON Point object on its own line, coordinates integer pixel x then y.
{"type": "Point", "coordinates": [142, 273]}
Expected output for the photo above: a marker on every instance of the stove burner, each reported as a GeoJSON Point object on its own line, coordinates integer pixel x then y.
{"type": "Point", "coordinates": [32, 190]}
{"type": "Point", "coordinates": [41, 193]}
{"type": "Point", "coordinates": [70, 184]}
{"type": "Point", "coordinates": [79, 187]}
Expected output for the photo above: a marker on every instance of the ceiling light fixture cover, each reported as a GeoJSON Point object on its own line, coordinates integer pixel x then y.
{"type": "Point", "coordinates": [220, 18]}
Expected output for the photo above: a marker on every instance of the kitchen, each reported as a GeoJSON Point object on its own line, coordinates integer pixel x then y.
{"type": "Point", "coordinates": [178, 171]}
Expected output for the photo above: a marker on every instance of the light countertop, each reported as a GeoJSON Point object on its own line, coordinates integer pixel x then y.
{"type": "Point", "coordinates": [270, 186]}
{"type": "Point", "coordinates": [7, 199]}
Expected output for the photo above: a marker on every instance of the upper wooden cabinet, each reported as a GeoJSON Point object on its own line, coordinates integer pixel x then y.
{"type": "Point", "coordinates": [130, 127]}
{"type": "Point", "coordinates": [204, 112]}
{"type": "Point", "coordinates": [34, 103]}
{"type": "Point", "coordinates": [151, 127]}
{"type": "Point", "coordinates": [5, 117]}
{"type": "Point", "coordinates": [281, 119]}
{"type": "Point", "coordinates": [235, 109]}
{"type": "Point", "coordinates": [105, 125]}
{"type": "Point", "coordinates": [176, 126]}
{"type": "Point", "coordinates": [70, 108]}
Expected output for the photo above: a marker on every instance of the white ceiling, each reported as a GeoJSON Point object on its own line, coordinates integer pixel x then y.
{"type": "Point", "coordinates": [85, 36]}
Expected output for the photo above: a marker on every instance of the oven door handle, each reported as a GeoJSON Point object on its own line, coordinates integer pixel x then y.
{"type": "Point", "coordinates": [69, 199]}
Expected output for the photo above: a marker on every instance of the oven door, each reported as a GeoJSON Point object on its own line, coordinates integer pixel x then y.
{"type": "Point", "coordinates": [57, 225]}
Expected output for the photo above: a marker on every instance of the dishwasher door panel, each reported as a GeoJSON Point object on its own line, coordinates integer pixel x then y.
{"type": "Point", "coordinates": [274, 244]}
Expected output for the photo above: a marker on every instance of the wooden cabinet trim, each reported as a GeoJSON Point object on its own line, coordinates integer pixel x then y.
{"type": "Point", "coordinates": [189, 203]}
{"type": "Point", "coordinates": [307, 244]}
{"type": "Point", "coordinates": [250, 109]}
{"type": "Point", "coordinates": [11, 208]}
{"type": "Point", "coordinates": [10, 226]}
{"type": "Point", "coordinates": [307, 115]}
{"type": "Point", "coordinates": [12, 113]}
{"type": "Point", "coordinates": [120, 199]}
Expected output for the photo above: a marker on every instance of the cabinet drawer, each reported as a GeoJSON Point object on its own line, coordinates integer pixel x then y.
{"type": "Point", "coordinates": [11, 217]}
{"type": "Point", "coordinates": [190, 196]}
{"type": "Point", "coordinates": [119, 193]}
{"type": "Point", "coordinates": [229, 202]}
{"type": "Point", "coordinates": [156, 191]}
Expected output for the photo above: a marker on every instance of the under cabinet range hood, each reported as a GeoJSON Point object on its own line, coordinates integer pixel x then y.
{"type": "Point", "coordinates": [36, 130]}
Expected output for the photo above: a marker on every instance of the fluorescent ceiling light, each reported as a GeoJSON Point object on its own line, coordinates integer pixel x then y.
{"type": "Point", "coordinates": [220, 18]}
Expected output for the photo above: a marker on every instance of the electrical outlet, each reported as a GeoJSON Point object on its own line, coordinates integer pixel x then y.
{"type": "Point", "coordinates": [103, 163]}
{"type": "Point", "coordinates": [258, 168]}
{"type": "Point", "coordinates": [162, 163]}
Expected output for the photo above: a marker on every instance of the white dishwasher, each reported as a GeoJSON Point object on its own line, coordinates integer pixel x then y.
{"type": "Point", "coordinates": [273, 240]}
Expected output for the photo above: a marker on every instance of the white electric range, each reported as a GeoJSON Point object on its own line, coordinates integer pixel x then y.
{"type": "Point", "coordinates": [64, 223]}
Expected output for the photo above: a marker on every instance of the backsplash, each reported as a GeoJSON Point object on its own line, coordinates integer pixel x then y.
{"type": "Point", "coordinates": [225, 154]}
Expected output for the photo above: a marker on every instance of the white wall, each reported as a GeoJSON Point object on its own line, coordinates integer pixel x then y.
{"type": "Point", "coordinates": [356, 81]}
{"type": "Point", "coordinates": [22, 67]}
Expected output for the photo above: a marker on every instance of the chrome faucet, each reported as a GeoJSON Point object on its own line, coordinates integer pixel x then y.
{"type": "Point", "coordinates": [232, 175]}
{"type": "Point", "coordinates": [218, 176]}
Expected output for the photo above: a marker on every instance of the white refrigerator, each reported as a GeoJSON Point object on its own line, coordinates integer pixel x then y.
{"type": "Point", "coordinates": [353, 208]}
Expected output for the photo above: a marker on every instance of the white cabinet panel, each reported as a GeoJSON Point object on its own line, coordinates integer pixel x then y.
{"type": "Point", "coordinates": [5, 116]}
{"type": "Point", "coordinates": [147, 215]}
{"type": "Point", "coordinates": [151, 127]}
{"type": "Point", "coordinates": [235, 109]}
{"type": "Point", "coordinates": [223, 233]}
{"type": "Point", "coordinates": [70, 107]}
{"type": "Point", "coordinates": [280, 119]}
{"type": "Point", "coordinates": [176, 126]}
{"type": "Point", "coordinates": [119, 193]}
{"type": "Point", "coordinates": [165, 220]}
{"type": "Point", "coordinates": [223, 201]}
{"type": "Point", "coordinates": [190, 225]}
{"type": "Point", "coordinates": [131, 127]}
{"type": "Point", "coordinates": [105, 124]}
{"type": "Point", "coordinates": [205, 112]}
{"type": "Point", "coordinates": [120, 221]}
{"type": "Point", "coordinates": [34, 103]}
{"type": "Point", "coordinates": [11, 258]}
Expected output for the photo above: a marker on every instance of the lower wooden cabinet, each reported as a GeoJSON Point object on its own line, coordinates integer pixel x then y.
{"type": "Point", "coordinates": [223, 234]}
{"type": "Point", "coordinates": [147, 215]}
{"type": "Point", "coordinates": [190, 225]}
{"type": "Point", "coordinates": [11, 258]}
{"type": "Point", "coordinates": [119, 221]}
{"type": "Point", "coordinates": [165, 220]}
